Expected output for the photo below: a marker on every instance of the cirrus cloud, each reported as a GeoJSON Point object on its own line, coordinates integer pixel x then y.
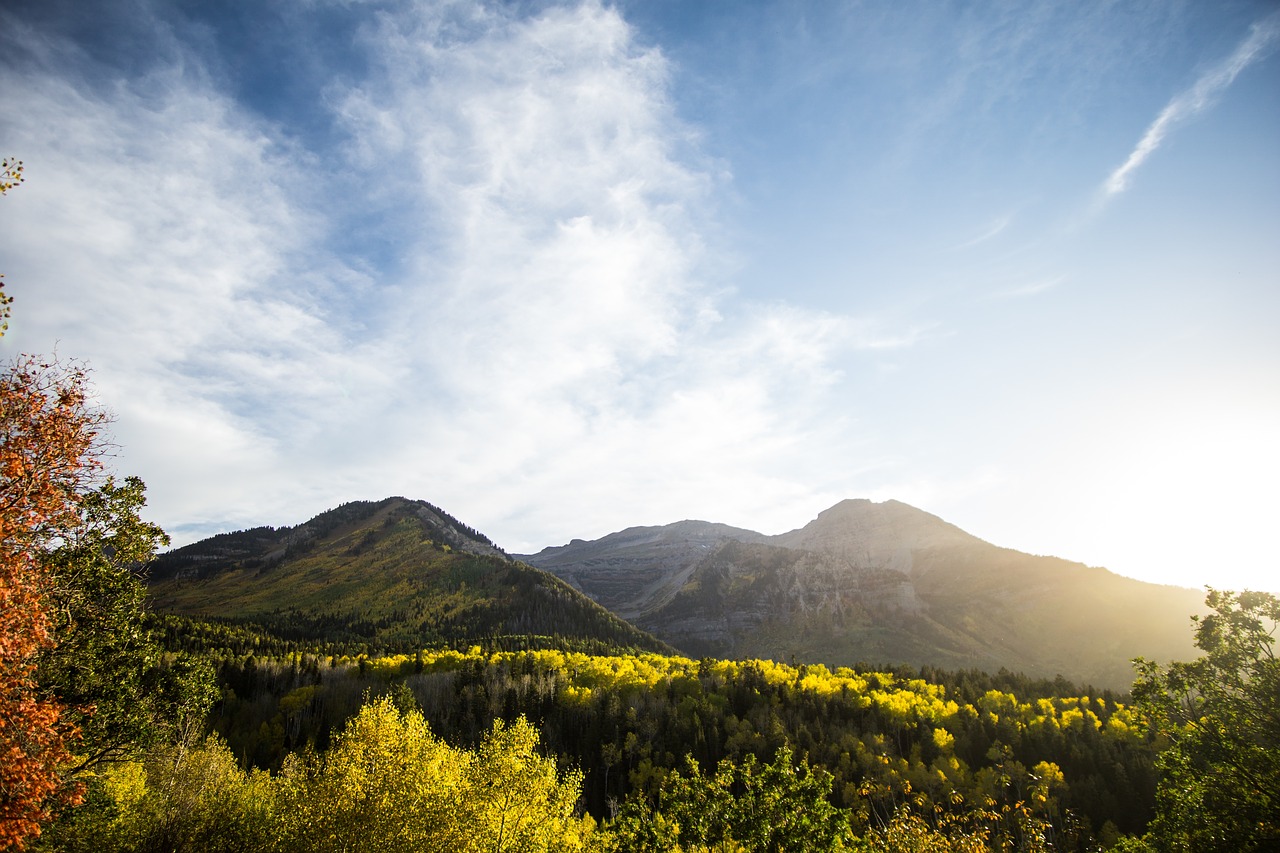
{"type": "Point", "coordinates": [538, 343]}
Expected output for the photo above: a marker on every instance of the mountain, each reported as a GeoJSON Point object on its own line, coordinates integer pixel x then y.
{"type": "Point", "coordinates": [639, 568]}
{"type": "Point", "coordinates": [879, 583]}
{"type": "Point", "coordinates": [395, 574]}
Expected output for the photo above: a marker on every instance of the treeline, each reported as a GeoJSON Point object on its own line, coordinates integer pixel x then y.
{"type": "Point", "coordinates": [232, 637]}
{"type": "Point", "coordinates": [388, 783]}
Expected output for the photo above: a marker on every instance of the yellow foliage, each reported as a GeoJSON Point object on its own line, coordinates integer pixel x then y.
{"type": "Point", "coordinates": [179, 798]}
{"type": "Point", "coordinates": [125, 784]}
{"type": "Point", "coordinates": [388, 783]}
{"type": "Point", "coordinates": [520, 801]}
{"type": "Point", "coordinates": [383, 764]}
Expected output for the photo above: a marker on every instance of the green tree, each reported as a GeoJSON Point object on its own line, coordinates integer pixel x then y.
{"type": "Point", "coordinates": [106, 668]}
{"type": "Point", "coordinates": [1220, 715]}
{"type": "Point", "coordinates": [780, 806]}
{"type": "Point", "coordinates": [81, 680]}
{"type": "Point", "coordinates": [175, 799]}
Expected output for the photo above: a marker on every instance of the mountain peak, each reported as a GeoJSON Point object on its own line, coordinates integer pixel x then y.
{"type": "Point", "coordinates": [875, 534]}
{"type": "Point", "coordinates": [877, 581]}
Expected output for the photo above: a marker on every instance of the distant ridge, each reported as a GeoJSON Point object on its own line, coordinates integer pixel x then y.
{"type": "Point", "coordinates": [879, 583]}
{"type": "Point", "coordinates": [633, 570]}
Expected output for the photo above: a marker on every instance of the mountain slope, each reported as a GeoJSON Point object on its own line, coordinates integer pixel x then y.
{"type": "Point", "coordinates": [395, 574]}
{"type": "Point", "coordinates": [885, 583]}
{"type": "Point", "coordinates": [639, 568]}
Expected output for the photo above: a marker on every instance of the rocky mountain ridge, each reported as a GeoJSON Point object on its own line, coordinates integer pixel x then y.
{"type": "Point", "coordinates": [634, 570]}
{"type": "Point", "coordinates": [880, 583]}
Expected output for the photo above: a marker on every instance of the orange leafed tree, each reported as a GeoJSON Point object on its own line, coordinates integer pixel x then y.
{"type": "Point", "coordinates": [50, 436]}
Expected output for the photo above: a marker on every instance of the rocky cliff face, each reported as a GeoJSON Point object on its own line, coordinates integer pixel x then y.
{"type": "Point", "coordinates": [880, 583]}
{"type": "Point", "coordinates": [640, 568]}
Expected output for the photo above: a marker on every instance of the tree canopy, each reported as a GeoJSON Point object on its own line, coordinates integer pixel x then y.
{"type": "Point", "coordinates": [82, 678]}
{"type": "Point", "coordinates": [1220, 715]}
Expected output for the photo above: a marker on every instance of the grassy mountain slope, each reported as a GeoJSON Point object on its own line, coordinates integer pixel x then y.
{"type": "Point", "coordinates": [397, 574]}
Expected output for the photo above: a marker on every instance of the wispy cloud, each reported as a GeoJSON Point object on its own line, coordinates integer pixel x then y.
{"type": "Point", "coordinates": [993, 229]}
{"type": "Point", "coordinates": [1261, 41]}
{"type": "Point", "coordinates": [544, 348]}
{"type": "Point", "coordinates": [1030, 289]}
{"type": "Point", "coordinates": [165, 236]}
{"type": "Point", "coordinates": [874, 337]}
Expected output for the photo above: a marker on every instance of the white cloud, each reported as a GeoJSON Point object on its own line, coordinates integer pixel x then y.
{"type": "Point", "coordinates": [544, 150]}
{"type": "Point", "coordinates": [160, 237]}
{"type": "Point", "coordinates": [544, 356]}
{"type": "Point", "coordinates": [1260, 41]}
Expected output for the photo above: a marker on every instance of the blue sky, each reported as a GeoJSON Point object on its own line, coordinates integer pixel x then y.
{"type": "Point", "coordinates": [563, 268]}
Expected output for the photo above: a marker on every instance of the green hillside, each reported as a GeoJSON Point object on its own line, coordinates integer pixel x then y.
{"type": "Point", "coordinates": [391, 575]}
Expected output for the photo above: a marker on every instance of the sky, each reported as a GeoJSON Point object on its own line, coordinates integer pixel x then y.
{"type": "Point", "coordinates": [566, 268]}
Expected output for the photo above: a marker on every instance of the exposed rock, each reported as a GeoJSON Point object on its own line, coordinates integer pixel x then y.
{"type": "Point", "coordinates": [881, 583]}
{"type": "Point", "coordinates": [638, 569]}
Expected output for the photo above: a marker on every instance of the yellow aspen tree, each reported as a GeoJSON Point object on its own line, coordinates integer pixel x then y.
{"type": "Point", "coordinates": [387, 783]}
{"type": "Point", "coordinates": [519, 801]}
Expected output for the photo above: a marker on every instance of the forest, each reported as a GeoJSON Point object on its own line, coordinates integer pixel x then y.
{"type": "Point", "coordinates": [124, 729]}
{"type": "Point", "coordinates": [547, 749]}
